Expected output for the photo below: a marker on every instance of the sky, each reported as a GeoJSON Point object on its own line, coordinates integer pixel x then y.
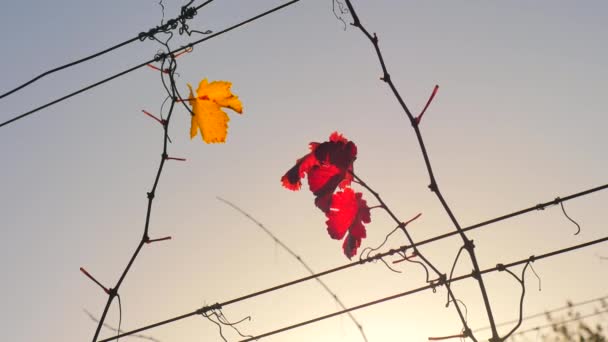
{"type": "Point", "coordinates": [519, 119]}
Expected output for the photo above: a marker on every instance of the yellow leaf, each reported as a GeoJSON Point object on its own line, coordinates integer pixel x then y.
{"type": "Point", "coordinates": [207, 106]}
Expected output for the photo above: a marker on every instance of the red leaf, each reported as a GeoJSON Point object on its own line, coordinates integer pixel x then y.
{"type": "Point", "coordinates": [342, 213]}
{"type": "Point", "coordinates": [350, 246]}
{"type": "Point", "coordinates": [292, 179]}
{"type": "Point", "coordinates": [327, 165]}
{"type": "Point", "coordinates": [339, 153]}
{"type": "Point", "coordinates": [321, 177]}
{"type": "Point", "coordinates": [347, 214]}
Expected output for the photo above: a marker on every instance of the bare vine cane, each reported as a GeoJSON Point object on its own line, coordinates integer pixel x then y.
{"type": "Point", "coordinates": [145, 239]}
{"type": "Point", "coordinates": [434, 186]}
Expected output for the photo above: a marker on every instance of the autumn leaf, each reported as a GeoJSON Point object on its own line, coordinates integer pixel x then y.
{"type": "Point", "coordinates": [328, 166]}
{"type": "Point", "coordinates": [347, 214]}
{"type": "Point", "coordinates": [208, 116]}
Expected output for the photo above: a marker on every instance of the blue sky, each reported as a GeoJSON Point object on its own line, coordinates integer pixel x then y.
{"type": "Point", "coordinates": [519, 119]}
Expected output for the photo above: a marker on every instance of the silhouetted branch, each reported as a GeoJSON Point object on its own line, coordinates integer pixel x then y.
{"type": "Point", "coordinates": [441, 276]}
{"type": "Point", "coordinates": [434, 185]}
{"type": "Point", "coordinates": [145, 239]}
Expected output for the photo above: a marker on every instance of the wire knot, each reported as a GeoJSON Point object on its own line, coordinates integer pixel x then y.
{"type": "Point", "coordinates": [207, 308]}
{"type": "Point", "coordinates": [171, 24]}
{"type": "Point", "coordinates": [500, 267]}
{"type": "Point", "coordinates": [442, 280]}
{"type": "Point", "coordinates": [150, 34]}
{"type": "Point", "coordinates": [187, 13]}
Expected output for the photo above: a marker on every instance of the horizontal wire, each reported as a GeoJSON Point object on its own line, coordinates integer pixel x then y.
{"type": "Point", "coordinates": [349, 265]}
{"type": "Point", "coordinates": [428, 287]}
{"type": "Point", "coordinates": [147, 62]}
{"type": "Point", "coordinates": [540, 314]}
{"type": "Point", "coordinates": [81, 60]}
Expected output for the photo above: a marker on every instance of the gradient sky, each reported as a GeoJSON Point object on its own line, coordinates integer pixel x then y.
{"type": "Point", "coordinates": [519, 119]}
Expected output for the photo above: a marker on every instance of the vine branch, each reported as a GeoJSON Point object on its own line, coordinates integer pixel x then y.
{"type": "Point", "coordinates": [434, 186]}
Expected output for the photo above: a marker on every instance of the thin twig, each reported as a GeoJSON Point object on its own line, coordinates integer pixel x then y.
{"type": "Point", "coordinates": [441, 276]}
{"type": "Point", "coordinates": [299, 259]}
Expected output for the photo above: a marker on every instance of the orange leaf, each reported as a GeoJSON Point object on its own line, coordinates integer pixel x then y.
{"type": "Point", "coordinates": [209, 118]}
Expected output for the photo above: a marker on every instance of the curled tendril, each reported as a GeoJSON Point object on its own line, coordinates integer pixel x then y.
{"type": "Point", "coordinates": [578, 226]}
{"type": "Point", "coordinates": [424, 267]}
{"type": "Point", "coordinates": [339, 11]}
{"type": "Point", "coordinates": [223, 321]}
{"type": "Point", "coordinates": [388, 266]}
{"type": "Point", "coordinates": [454, 267]}
{"type": "Point", "coordinates": [466, 310]}
{"type": "Point", "coordinates": [365, 253]}
{"type": "Point", "coordinates": [536, 274]}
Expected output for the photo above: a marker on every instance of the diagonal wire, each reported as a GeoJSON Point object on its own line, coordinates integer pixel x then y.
{"type": "Point", "coordinates": [122, 73]}
{"type": "Point", "coordinates": [343, 267]}
{"type": "Point", "coordinates": [68, 65]}
{"type": "Point", "coordinates": [300, 260]}
{"type": "Point", "coordinates": [540, 206]}
{"type": "Point", "coordinates": [428, 287]}
{"type": "Point", "coordinates": [371, 258]}
{"type": "Point", "coordinates": [92, 56]}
